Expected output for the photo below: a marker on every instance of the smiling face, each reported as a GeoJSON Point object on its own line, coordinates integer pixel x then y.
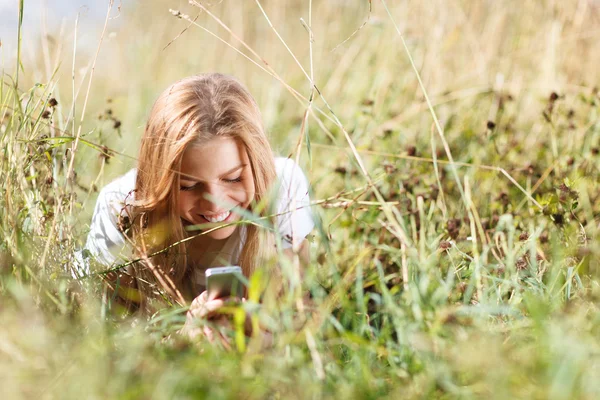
{"type": "Point", "coordinates": [218, 169]}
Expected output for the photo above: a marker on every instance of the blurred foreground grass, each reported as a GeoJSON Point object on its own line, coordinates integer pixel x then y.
{"type": "Point", "coordinates": [480, 279]}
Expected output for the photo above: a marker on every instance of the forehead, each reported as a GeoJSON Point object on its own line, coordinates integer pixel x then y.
{"type": "Point", "coordinates": [210, 160]}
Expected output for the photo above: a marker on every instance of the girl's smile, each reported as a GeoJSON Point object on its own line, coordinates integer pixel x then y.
{"type": "Point", "coordinates": [215, 178]}
{"type": "Point", "coordinates": [222, 217]}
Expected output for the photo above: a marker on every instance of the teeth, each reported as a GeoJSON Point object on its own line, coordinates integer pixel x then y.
{"type": "Point", "coordinates": [218, 217]}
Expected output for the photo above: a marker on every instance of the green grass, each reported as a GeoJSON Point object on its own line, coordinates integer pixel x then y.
{"type": "Point", "coordinates": [430, 279]}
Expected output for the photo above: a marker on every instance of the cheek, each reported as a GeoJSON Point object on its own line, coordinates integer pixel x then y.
{"type": "Point", "coordinates": [249, 192]}
{"type": "Point", "coordinates": [185, 203]}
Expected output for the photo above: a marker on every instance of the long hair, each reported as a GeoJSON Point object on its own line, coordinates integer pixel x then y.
{"type": "Point", "coordinates": [193, 111]}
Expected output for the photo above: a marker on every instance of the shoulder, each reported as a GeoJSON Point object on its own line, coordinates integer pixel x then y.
{"type": "Point", "coordinates": [294, 218]}
{"type": "Point", "coordinates": [290, 172]}
{"type": "Point", "coordinates": [114, 200]}
{"type": "Point", "coordinates": [105, 240]}
{"type": "Point", "coordinates": [118, 192]}
{"type": "Point", "coordinates": [119, 187]}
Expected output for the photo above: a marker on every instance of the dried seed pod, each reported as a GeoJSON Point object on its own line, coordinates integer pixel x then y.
{"type": "Point", "coordinates": [105, 153]}
{"type": "Point", "coordinates": [503, 198]}
{"type": "Point", "coordinates": [453, 227]}
{"type": "Point", "coordinates": [435, 191]}
{"type": "Point", "coordinates": [341, 170]}
{"type": "Point", "coordinates": [521, 263]}
{"type": "Point", "coordinates": [558, 218]}
{"type": "Point", "coordinates": [523, 236]}
{"type": "Point", "coordinates": [389, 168]}
{"type": "Point", "coordinates": [445, 245]}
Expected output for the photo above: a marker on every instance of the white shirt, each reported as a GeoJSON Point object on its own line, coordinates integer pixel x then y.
{"type": "Point", "coordinates": [108, 246]}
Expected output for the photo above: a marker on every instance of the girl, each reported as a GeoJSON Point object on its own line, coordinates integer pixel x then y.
{"type": "Point", "coordinates": [204, 159]}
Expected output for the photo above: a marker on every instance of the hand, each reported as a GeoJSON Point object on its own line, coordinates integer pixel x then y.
{"type": "Point", "coordinates": [202, 308]}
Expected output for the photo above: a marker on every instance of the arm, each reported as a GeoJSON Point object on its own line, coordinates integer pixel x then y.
{"type": "Point", "coordinates": [204, 309]}
{"type": "Point", "coordinates": [304, 261]}
{"type": "Point", "coordinates": [106, 244]}
{"type": "Point", "coordinates": [303, 255]}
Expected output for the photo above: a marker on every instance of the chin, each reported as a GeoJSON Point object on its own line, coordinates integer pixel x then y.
{"type": "Point", "coordinates": [221, 234]}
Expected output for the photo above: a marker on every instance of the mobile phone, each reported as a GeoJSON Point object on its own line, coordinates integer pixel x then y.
{"type": "Point", "coordinates": [225, 282]}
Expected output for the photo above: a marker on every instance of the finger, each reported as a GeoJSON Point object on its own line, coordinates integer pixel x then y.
{"type": "Point", "coordinates": [222, 321]}
{"type": "Point", "coordinates": [225, 341]}
{"type": "Point", "coordinates": [211, 307]}
{"type": "Point", "coordinates": [208, 332]}
{"type": "Point", "coordinates": [221, 333]}
{"type": "Point", "coordinates": [232, 301]}
{"type": "Point", "coordinates": [197, 303]}
{"type": "Point", "coordinates": [205, 309]}
{"type": "Point", "coordinates": [200, 299]}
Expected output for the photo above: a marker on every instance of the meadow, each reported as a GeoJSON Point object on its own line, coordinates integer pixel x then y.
{"type": "Point", "coordinates": [452, 147]}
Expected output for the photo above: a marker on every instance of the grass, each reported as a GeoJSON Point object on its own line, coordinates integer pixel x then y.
{"type": "Point", "coordinates": [453, 259]}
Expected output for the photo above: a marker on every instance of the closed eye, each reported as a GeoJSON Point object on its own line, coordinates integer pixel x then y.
{"type": "Point", "coordinates": [238, 179]}
{"type": "Point", "coordinates": [187, 188]}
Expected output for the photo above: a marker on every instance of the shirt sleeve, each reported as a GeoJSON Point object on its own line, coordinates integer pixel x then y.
{"type": "Point", "coordinates": [105, 242]}
{"type": "Point", "coordinates": [295, 219]}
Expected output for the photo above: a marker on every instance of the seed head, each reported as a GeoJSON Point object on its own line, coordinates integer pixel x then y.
{"type": "Point", "coordinates": [105, 153]}
{"type": "Point", "coordinates": [558, 218]}
{"type": "Point", "coordinates": [445, 245]}
{"type": "Point", "coordinates": [530, 169]}
{"type": "Point", "coordinates": [453, 227]}
{"type": "Point", "coordinates": [564, 188]}
{"type": "Point", "coordinates": [52, 102]}
{"type": "Point", "coordinates": [46, 114]}
{"type": "Point", "coordinates": [503, 198]}
{"type": "Point", "coordinates": [341, 170]}
{"type": "Point", "coordinates": [491, 125]}
{"type": "Point", "coordinates": [523, 236]}
{"type": "Point", "coordinates": [435, 191]}
{"type": "Point", "coordinates": [389, 168]}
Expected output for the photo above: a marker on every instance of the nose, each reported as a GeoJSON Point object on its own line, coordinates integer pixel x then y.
{"type": "Point", "coordinates": [211, 199]}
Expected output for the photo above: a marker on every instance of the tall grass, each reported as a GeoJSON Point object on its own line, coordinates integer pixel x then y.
{"type": "Point", "coordinates": [457, 260]}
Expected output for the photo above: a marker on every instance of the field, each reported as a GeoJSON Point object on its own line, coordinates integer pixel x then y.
{"type": "Point", "coordinates": [452, 148]}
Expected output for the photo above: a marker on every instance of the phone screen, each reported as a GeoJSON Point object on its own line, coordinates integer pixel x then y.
{"type": "Point", "coordinates": [224, 282]}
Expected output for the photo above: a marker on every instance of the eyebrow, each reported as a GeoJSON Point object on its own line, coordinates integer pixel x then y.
{"type": "Point", "coordinates": [193, 179]}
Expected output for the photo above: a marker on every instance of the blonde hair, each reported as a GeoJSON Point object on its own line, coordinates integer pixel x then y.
{"type": "Point", "coordinates": [193, 111]}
